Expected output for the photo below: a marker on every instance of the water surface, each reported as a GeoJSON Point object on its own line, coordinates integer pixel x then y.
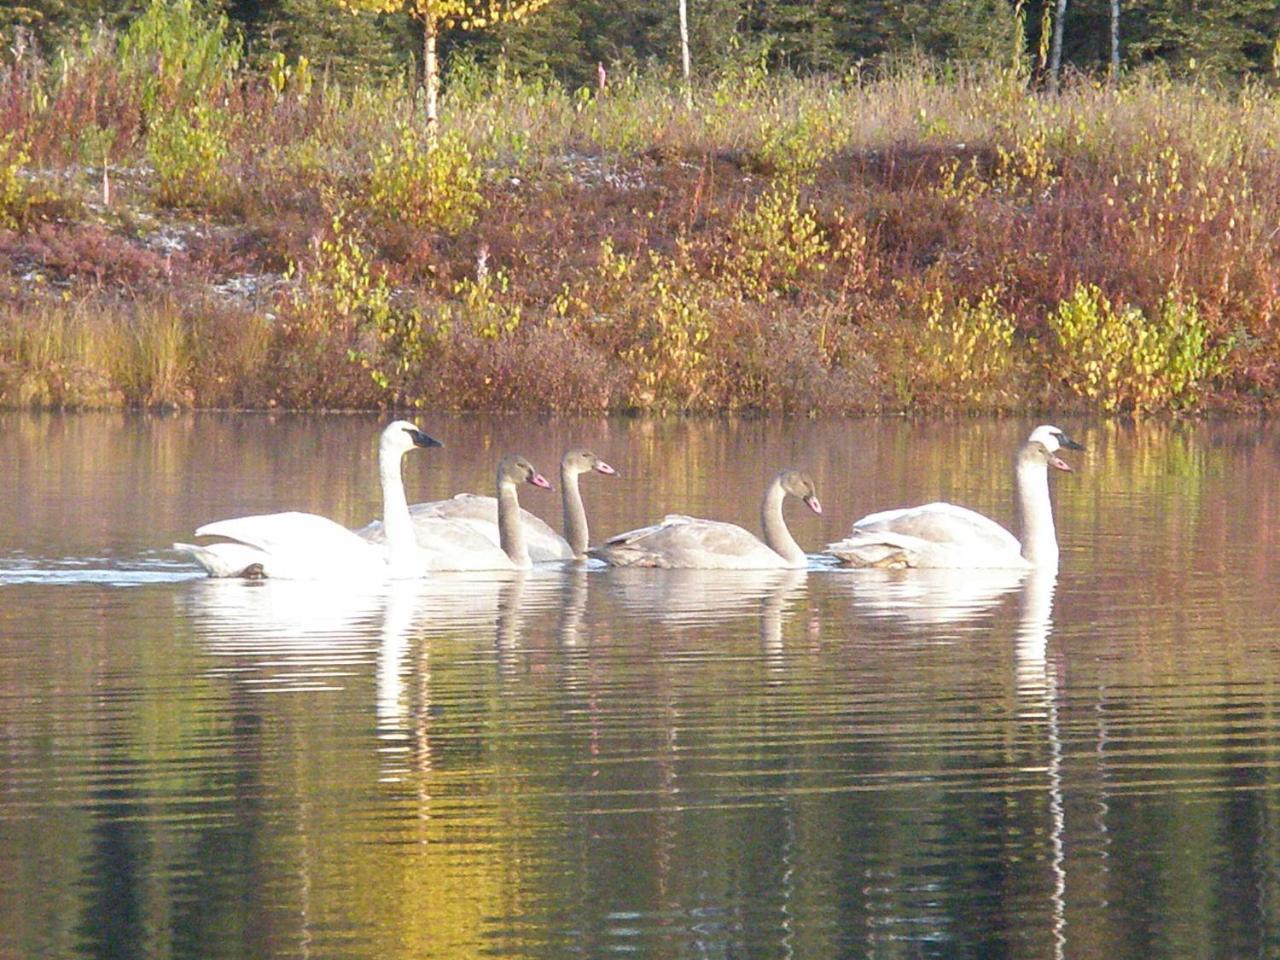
{"type": "Point", "coordinates": [584, 762]}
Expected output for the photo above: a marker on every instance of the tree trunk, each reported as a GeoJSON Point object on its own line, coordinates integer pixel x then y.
{"type": "Point", "coordinates": [1055, 53]}
{"type": "Point", "coordinates": [430, 71]}
{"type": "Point", "coordinates": [684, 54]}
{"type": "Point", "coordinates": [1115, 40]}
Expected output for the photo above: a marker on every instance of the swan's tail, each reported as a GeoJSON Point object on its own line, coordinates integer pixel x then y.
{"type": "Point", "coordinates": [225, 559]}
{"type": "Point", "coordinates": [864, 551]}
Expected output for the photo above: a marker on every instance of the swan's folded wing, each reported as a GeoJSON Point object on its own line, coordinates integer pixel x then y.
{"type": "Point", "coordinates": [291, 532]}
{"type": "Point", "coordinates": [482, 512]}
{"type": "Point", "coordinates": [940, 523]}
{"type": "Point", "coordinates": [680, 541]}
{"type": "Point", "coordinates": [480, 515]}
{"type": "Point", "coordinates": [457, 545]}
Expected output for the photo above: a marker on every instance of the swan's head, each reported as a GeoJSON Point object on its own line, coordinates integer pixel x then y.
{"type": "Point", "coordinates": [800, 484]}
{"type": "Point", "coordinates": [402, 435]}
{"type": "Point", "coordinates": [1035, 453]}
{"type": "Point", "coordinates": [1053, 439]}
{"type": "Point", "coordinates": [584, 461]}
{"type": "Point", "coordinates": [514, 470]}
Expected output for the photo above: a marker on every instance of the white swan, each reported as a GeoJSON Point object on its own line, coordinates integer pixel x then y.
{"type": "Point", "coordinates": [688, 542]}
{"type": "Point", "coordinates": [458, 545]}
{"type": "Point", "coordinates": [481, 512]}
{"type": "Point", "coordinates": [944, 535]}
{"type": "Point", "coordinates": [304, 546]}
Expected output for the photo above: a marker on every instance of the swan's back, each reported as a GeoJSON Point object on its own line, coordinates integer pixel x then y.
{"type": "Point", "coordinates": [678, 541]}
{"type": "Point", "coordinates": [933, 535]}
{"type": "Point", "coordinates": [480, 513]}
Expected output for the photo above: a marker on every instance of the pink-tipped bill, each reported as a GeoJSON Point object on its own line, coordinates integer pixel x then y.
{"type": "Point", "coordinates": [814, 504]}
{"type": "Point", "coordinates": [538, 480]}
{"type": "Point", "coordinates": [602, 467]}
{"type": "Point", "coordinates": [1060, 464]}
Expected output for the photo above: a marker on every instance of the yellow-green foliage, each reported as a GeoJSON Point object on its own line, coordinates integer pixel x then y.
{"type": "Point", "coordinates": [964, 353]}
{"type": "Point", "coordinates": [775, 242]}
{"type": "Point", "coordinates": [187, 150]}
{"type": "Point", "coordinates": [1023, 168]}
{"type": "Point", "coordinates": [340, 282]}
{"type": "Point", "coordinates": [178, 55]}
{"type": "Point", "coordinates": [339, 301]}
{"type": "Point", "coordinates": [13, 195]}
{"type": "Point", "coordinates": [424, 181]}
{"type": "Point", "coordinates": [484, 306]}
{"type": "Point", "coordinates": [1124, 360]}
{"type": "Point", "coordinates": [296, 78]}
{"type": "Point", "coordinates": [669, 362]}
{"type": "Point", "coordinates": [795, 143]}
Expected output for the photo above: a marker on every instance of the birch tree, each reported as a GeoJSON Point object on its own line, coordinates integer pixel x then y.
{"type": "Point", "coordinates": [435, 16]}
{"type": "Point", "coordinates": [1055, 52]}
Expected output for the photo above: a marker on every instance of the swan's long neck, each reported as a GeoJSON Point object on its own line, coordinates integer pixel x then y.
{"type": "Point", "coordinates": [776, 535]}
{"type": "Point", "coordinates": [510, 529]}
{"type": "Point", "coordinates": [396, 522]}
{"type": "Point", "coordinates": [1035, 512]}
{"type": "Point", "coordinates": [575, 515]}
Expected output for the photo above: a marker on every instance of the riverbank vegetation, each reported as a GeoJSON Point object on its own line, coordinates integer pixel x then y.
{"type": "Point", "coordinates": [179, 226]}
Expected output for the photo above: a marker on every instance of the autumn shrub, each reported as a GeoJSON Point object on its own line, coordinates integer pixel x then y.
{"type": "Point", "coordinates": [14, 199]}
{"type": "Point", "coordinates": [326, 342]}
{"type": "Point", "coordinates": [80, 108]}
{"type": "Point", "coordinates": [1124, 360]}
{"type": "Point", "coordinates": [775, 242]}
{"type": "Point", "coordinates": [428, 182]}
{"type": "Point", "coordinates": [963, 353]}
{"type": "Point", "coordinates": [540, 366]}
{"type": "Point", "coordinates": [230, 347]}
{"type": "Point", "coordinates": [509, 120]}
{"type": "Point", "coordinates": [810, 361]}
{"type": "Point", "coordinates": [89, 255]}
{"type": "Point", "coordinates": [187, 151]}
{"type": "Point", "coordinates": [178, 56]}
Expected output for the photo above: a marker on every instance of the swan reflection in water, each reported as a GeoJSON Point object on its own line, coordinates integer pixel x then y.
{"type": "Point", "coordinates": [691, 598]}
{"type": "Point", "coordinates": [929, 597]}
{"type": "Point", "coordinates": [1036, 684]}
{"type": "Point", "coordinates": [301, 634]}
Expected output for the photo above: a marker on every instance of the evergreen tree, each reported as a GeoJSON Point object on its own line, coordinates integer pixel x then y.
{"type": "Point", "coordinates": [1228, 37]}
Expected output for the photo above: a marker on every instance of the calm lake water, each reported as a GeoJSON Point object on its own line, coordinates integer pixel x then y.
{"type": "Point", "coordinates": [585, 762]}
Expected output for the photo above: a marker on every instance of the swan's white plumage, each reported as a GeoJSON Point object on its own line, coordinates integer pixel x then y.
{"type": "Point", "coordinates": [304, 546]}
{"type": "Point", "coordinates": [480, 514]}
{"type": "Point", "coordinates": [943, 535]}
{"type": "Point", "coordinates": [544, 544]}
{"type": "Point", "coordinates": [464, 544]}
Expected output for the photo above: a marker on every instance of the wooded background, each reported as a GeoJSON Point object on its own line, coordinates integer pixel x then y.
{"type": "Point", "coordinates": [568, 38]}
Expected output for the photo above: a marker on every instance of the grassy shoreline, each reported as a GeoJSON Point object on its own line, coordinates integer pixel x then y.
{"type": "Point", "coordinates": [921, 242]}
